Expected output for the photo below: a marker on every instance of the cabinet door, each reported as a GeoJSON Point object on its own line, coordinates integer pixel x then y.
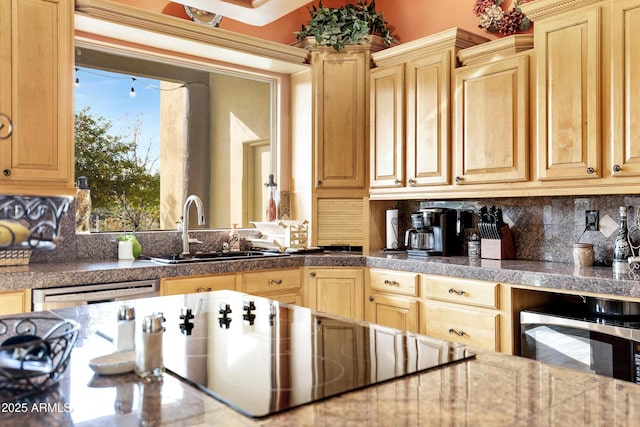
{"type": "Point", "coordinates": [492, 122]}
{"type": "Point", "coordinates": [337, 291]}
{"type": "Point", "coordinates": [35, 74]}
{"type": "Point", "coordinates": [13, 302]}
{"type": "Point", "coordinates": [568, 95]}
{"type": "Point", "coordinates": [626, 89]}
{"type": "Point", "coordinates": [395, 312]}
{"type": "Point", "coordinates": [428, 128]}
{"type": "Point", "coordinates": [339, 100]}
{"type": "Point", "coordinates": [386, 102]}
{"type": "Point", "coordinates": [189, 285]}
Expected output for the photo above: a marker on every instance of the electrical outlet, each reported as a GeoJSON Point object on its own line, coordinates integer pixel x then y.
{"type": "Point", "coordinates": [592, 220]}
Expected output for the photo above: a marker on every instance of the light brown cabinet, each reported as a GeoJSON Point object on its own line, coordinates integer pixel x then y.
{"type": "Point", "coordinates": [193, 284]}
{"type": "Point", "coordinates": [36, 105]}
{"type": "Point", "coordinates": [337, 290]}
{"type": "Point", "coordinates": [410, 112]}
{"type": "Point", "coordinates": [491, 119]}
{"type": "Point", "coordinates": [13, 302]}
{"type": "Point", "coordinates": [284, 285]}
{"type": "Point", "coordinates": [340, 115]}
{"type": "Point", "coordinates": [625, 105]}
{"type": "Point", "coordinates": [569, 78]}
{"type": "Point", "coordinates": [391, 299]}
{"type": "Point", "coordinates": [463, 311]}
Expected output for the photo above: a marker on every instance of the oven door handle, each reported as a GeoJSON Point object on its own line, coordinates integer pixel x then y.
{"type": "Point", "coordinates": [531, 318]}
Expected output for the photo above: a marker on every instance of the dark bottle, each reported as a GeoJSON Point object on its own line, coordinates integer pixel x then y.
{"type": "Point", "coordinates": [621, 248]}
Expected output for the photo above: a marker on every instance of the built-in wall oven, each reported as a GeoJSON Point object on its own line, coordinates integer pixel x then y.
{"type": "Point", "coordinates": [577, 338]}
{"type": "Point", "coordinates": [69, 296]}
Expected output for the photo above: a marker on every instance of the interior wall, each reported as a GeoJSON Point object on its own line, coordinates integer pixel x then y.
{"type": "Point", "coordinates": [410, 19]}
{"type": "Point", "coordinates": [240, 112]}
{"type": "Point", "coordinates": [172, 138]}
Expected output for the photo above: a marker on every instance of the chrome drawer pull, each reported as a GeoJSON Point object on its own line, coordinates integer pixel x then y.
{"type": "Point", "coordinates": [391, 283]}
{"type": "Point", "coordinates": [458, 333]}
{"type": "Point", "coordinates": [275, 281]}
{"type": "Point", "coordinates": [457, 292]}
{"type": "Point", "coordinates": [200, 289]}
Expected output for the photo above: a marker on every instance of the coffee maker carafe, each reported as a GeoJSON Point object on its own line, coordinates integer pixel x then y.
{"type": "Point", "coordinates": [434, 232]}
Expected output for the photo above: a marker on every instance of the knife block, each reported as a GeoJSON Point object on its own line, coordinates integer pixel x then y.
{"type": "Point", "coordinates": [503, 248]}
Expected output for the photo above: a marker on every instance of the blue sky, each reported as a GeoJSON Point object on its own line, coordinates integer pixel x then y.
{"type": "Point", "coordinates": [107, 95]}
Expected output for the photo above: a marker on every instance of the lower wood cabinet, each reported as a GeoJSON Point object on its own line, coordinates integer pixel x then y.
{"type": "Point", "coordinates": [465, 325]}
{"type": "Point", "coordinates": [464, 311]}
{"type": "Point", "coordinates": [336, 290]}
{"type": "Point", "coordinates": [13, 302]}
{"type": "Point", "coordinates": [391, 299]}
{"type": "Point", "coordinates": [192, 284]}
{"type": "Point", "coordinates": [284, 285]}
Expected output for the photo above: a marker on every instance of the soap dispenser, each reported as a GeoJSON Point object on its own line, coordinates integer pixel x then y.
{"type": "Point", "coordinates": [234, 239]}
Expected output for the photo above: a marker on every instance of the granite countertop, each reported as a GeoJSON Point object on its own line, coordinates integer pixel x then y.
{"type": "Point", "coordinates": [538, 274]}
{"type": "Point", "coordinates": [491, 390]}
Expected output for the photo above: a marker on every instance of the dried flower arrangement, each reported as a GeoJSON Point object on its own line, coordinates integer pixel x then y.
{"type": "Point", "coordinates": [495, 20]}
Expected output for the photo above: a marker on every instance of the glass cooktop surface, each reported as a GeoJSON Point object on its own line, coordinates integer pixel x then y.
{"type": "Point", "coordinates": [261, 356]}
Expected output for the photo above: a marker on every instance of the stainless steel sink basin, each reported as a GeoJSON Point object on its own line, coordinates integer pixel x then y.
{"type": "Point", "coordinates": [213, 256]}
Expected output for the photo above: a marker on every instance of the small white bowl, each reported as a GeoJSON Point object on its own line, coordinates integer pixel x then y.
{"type": "Point", "coordinates": [116, 363]}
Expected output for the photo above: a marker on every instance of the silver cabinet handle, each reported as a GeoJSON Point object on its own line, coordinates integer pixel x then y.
{"type": "Point", "coordinates": [457, 292]}
{"type": "Point", "coordinates": [412, 181]}
{"type": "Point", "coordinates": [275, 281]}
{"type": "Point", "coordinates": [591, 170]}
{"type": "Point", "coordinates": [458, 333]}
{"type": "Point", "coordinates": [391, 283]}
{"type": "Point", "coordinates": [200, 289]}
{"type": "Point", "coordinates": [617, 168]}
{"type": "Point", "coordinates": [312, 274]}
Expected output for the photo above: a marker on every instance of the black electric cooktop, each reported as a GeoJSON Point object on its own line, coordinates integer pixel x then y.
{"type": "Point", "coordinates": [260, 356]}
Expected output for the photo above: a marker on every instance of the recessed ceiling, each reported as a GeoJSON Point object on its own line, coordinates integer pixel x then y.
{"type": "Point", "coordinates": [252, 12]}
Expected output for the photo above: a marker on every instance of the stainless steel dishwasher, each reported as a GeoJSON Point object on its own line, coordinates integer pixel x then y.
{"type": "Point", "coordinates": [69, 296]}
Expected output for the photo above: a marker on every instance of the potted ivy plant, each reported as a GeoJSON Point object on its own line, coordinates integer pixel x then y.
{"type": "Point", "coordinates": [347, 24]}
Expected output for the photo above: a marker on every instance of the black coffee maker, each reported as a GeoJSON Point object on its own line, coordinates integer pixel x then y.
{"type": "Point", "coordinates": [435, 231]}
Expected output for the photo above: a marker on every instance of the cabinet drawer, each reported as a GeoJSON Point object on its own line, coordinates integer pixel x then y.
{"type": "Point", "coordinates": [395, 282]}
{"type": "Point", "coordinates": [272, 280]}
{"type": "Point", "coordinates": [189, 285]}
{"type": "Point", "coordinates": [477, 328]}
{"type": "Point", "coordinates": [463, 291]}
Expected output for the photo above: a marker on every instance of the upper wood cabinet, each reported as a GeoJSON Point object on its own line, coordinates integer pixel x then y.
{"type": "Point", "coordinates": [569, 82]}
{"type": "Point", "coordinates": [410, 112]}
{"type": "Point", "coordinates": [625, 104]}
{"type": "Point", "coordinates": [491, 115]}
{"type": "Point", "coordinates": [36, 105]}
{"type": "Point", "coordinates": [339, 88]}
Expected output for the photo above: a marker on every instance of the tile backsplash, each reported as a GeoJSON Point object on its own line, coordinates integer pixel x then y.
{"type": "Point", "coordinates": [545, 229]}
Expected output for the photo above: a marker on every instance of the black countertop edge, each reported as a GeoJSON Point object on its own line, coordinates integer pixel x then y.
{"type": "Point", "coordinates": [536, 274]}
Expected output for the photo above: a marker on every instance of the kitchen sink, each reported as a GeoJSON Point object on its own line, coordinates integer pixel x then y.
{"type": "Point", "coordinates": [213, 256]}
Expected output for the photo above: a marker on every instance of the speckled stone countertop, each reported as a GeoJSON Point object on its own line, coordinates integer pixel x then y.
{"type": "Point", "coordinates": [491, 390]}
{"type": "Point", "coordinates": [537, 274]}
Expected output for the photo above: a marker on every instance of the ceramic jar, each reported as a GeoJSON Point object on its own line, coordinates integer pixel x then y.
{"type": "Point", "coordinates": [583, 254]}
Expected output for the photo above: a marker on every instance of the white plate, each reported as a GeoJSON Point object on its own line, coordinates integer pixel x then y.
{"type": "Point", "coordinates": [119, 362]}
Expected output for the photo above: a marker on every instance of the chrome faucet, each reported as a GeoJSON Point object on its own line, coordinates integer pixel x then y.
{"type": "Point", "coordinates": [185, 221]}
